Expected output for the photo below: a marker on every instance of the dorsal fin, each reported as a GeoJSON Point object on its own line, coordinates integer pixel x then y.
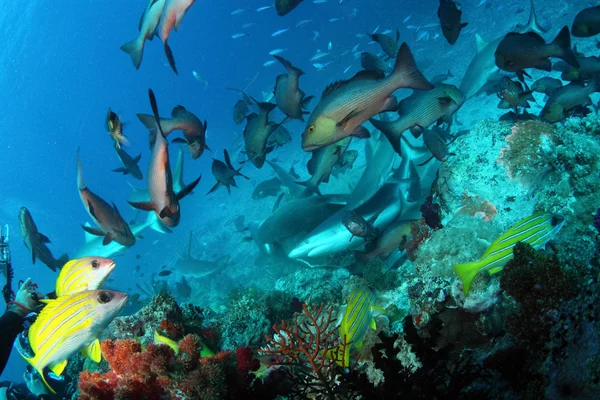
{"type": "Point", "coordinates": [360, 75]}
{"type": "Point", "coordinates": [88, 236]}
{"type": "Point", "coordinates": [480, 43]}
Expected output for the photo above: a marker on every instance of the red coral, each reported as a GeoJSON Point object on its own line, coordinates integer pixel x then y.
{"type": "Point", "coordinates": [173, 331]}
{"type": "Point", "coordinates": [302, 347]}
{"type": "Point", "coordinates": [246, 361]}
{"type": "Point", "coordinates": [157, 373]}
{"type": "Point", "coordinates": [419, 233]}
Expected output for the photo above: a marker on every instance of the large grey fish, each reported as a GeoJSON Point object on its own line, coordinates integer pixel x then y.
{"type": "Point", "coordinates": [130, 164]}
{"type": "Point", "coordinates": [285, 6]}
{"type": "Point", "coordinates": [224, 173]}
{"type": "Point", "coordinates": [164, 201]}
{"type": "Point", "coordinates": [420, 110]}
{"type": "Point", "coordinates": [288, 180]}
{"type": "Point", "coordinates": [519, 51]}
{"type": "Point", "coordinates": [190, 266]}
{"type": "Point", "coordinates": [268, 188]}
{"type": "Point", "coordinates": [172, 17]}
{"type": "Point", "coordinates": [36, 242]}
{"type": "Point", "coordinates": [147, 28]}
{"type": "Point", "coordinates": [532, 24]}
{"type": "Point", "coordinates": [566, 98]}
{"type": "Point", "coordinates": [450, 15]}
{"type": "Point", "coordinates": [288, 96]}
{"type": "Point", "coordinates": [322, 162]}
{"type": "Point", "coordinates": [371, 62]}
{"type": "Point", "coordinates": [193, 129]}
{"type": "Point", "coordinates": [346, 105]}
{"type": "Point", "coordinates": [387, 43]}
{"type": "Point", "coordinates": [256, 133]}
{"type": "Point", "coordinates": [296, 217]}
{"type": "Point", "coordinates": [379, 155]}
{"type": "Point", "coordinates": [107, 218]}
{"type": "Point", "coordinates": [587, 22]}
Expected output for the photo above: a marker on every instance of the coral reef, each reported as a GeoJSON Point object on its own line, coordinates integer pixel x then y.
{"type": "Point", "coordinates": [304, 348]}
{"type": "Point", "coordinates": [157, 373]}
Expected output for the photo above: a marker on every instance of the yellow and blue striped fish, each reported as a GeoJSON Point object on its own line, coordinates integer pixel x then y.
{"type": "Point", "coordinates": [536, 231]}
{"type": "Point", "coordinates": [358, 317]}
{"type": "Point", "coordinates": [70, 324]}
{"type": "Point", "coordinates": [80, 274]}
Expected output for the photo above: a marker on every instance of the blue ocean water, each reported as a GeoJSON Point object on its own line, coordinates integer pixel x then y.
{"type": "Point", "coordinates": [61, 69]}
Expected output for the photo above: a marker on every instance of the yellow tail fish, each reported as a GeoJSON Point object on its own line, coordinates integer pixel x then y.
{"type": "Point", "coordinates": [86, 273]}
{"type": "Point", "coordinates": [536, 231]}
{"type": "Point", "coordinates": [70, 324]}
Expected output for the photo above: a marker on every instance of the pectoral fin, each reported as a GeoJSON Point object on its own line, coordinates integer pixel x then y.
{"type": "Point", "coordinates": [59, 367]}
{"type": "Point", "coordinates": [93, 351]}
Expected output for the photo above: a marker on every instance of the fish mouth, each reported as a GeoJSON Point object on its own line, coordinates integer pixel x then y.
{"type": "Point", "coordinates": [111, 267]}
{"type": "Point", "coordinates": [311, 147]}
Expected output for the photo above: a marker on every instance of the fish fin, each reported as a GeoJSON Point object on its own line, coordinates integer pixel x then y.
{"type": "Point", "coordinates": [215, 187]}
{"type": "Point", "coordinates": [188, 189]}
{"type": "Point", "coordinates": [143, 205]}
{"type": "Point", "coordinates": [480, 43]}
{"type": "Point", "coordinates": [391, 104]}
{"type": "Point", "coordinates": [372, 324]}
{"type": "Point", "coordinates": [293, 173]}
{"type": "Point", "coordinates": [33, 256]}
{"type": "Point", "coordinates": [563, 41]}
{"type": "Point", "coordinates": [305, 101]}
{"type": "Point", "coordinates": [93, 231]}
{"type": "Point", "coordinates": [91, 209]}
{"type": "Point", "coordinates": [228, 160]}
{"type": "Point", "coordinates": [138, 158]}
{"type": "Point", "coordinates": [121, 169]}
{"type": "Point", "coordinates": [288, 66]}
{"type": "Point", "coordinates": [59, 367]}
{"type": "Point", "coordinates": [277, 203]}
{"type": "Point", "coordinates": [156, 224]}
{"type": "Point", "coordinates": [406, 73]}
{"type": "Point", "coordinates": [179, 140]}
{"type": "Point", "coordinates": [170, 58]}
{"type": "Point", "coordinates": [495, 270]}
{"type": "Point", "coordinates": [463, 25]}
{"type": "Point", "coordinates": [228, 189]}
{"type": "Point", "coordinates": [445, 101]}
{"type": "Point", "coordinates": [165, 212]}
{"type": "Point", "coordinates": [92, 351]}
{"type": "Point", "coordinates": [378, 309]}
{"type": "Point", "coordinates": [135, 49]}
{"type": "Point", "coordinates": [59, 263]}
{"type": "Point", "coordinates": [80, 182]}
{"type": "Point", "coordinates": [43, 238]}
{"type": "Point", "coordinates": [466, 273]}
{"type": "Point", "coordinates": [348, 117]}
{"type": "Point", "coordinates": [107, 239]}
{"type": "Point", "coordinates": [148, 121]}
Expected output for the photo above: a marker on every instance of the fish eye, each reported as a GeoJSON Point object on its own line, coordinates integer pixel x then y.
{"type": "Point", "coordinates": [104, 297]}
{"type": "Point", "coordinates": [311, 129]}
{"type": "Point", "coordinates": [95, 264]}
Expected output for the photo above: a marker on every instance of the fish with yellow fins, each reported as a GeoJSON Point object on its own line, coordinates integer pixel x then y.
{"type": "Point", "coordinates": [346, 105]}
{"type": "Point", "coordinates": [535, 230]}
{"type": "Point", "coordinates": [358, 317]}
{"type": "Point", "coordinates": [70, 324]}
{"type": "Point", "coordinates": [115, 129]}
{"type": "Point", "coordinates": [80, 274]}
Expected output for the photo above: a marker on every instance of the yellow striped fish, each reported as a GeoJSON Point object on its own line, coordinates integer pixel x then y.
{"type": "Point", "coordinates": [161, 339]}
{"type": "Point", "coordinates": [80, 274]}
{"type": "Point", "coordinates": [536, 231]}
{"type": "Point", "coordinates": [70, 324]}
{"type": "Point", "coordinates": [358, 317]}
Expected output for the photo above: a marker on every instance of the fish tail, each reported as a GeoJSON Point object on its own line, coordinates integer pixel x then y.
{"type": "Point", "coordinates": [467, 272]}
{"type": "Point", "coordinates": [80, 182]}
{"type": "Point", "coordinates": [135, 49]}
{"type": "Point", "coordinates": [288, 65]}
{"type": "Point", "coordinates": [406, 73]}
{"type": "Point", "coordinates": [58, 263]}
{"type": "Point", "coordinates": [563, 41]}
{"type": "Point", "coordinates": [170, 58]}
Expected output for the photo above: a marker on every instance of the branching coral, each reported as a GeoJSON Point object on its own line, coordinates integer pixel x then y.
{"type": "Point", "coordinates": [157, 373]}
{"type": "Point", "coordinates": [302, 348]}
